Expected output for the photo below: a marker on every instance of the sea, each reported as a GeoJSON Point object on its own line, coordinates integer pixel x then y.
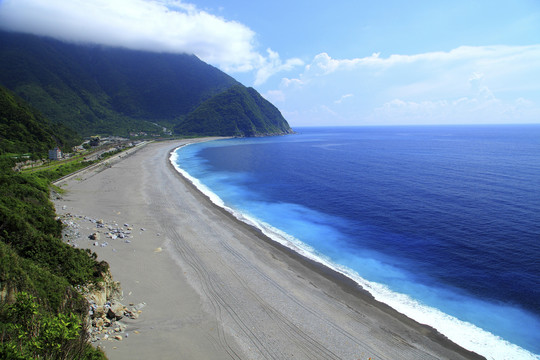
{"type": "Point", "coordinates": [442, 223]}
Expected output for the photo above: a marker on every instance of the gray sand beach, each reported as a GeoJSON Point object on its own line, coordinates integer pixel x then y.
{"type": "Point", "coordinates": [215, 288]}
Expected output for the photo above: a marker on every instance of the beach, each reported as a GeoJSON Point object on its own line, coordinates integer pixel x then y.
{"type": "Point", "coordinates": [216, 288]}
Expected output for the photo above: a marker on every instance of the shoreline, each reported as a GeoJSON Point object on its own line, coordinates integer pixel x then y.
{"type": "Point", "coordinates": [230, 280]}
{"type": "Point", "coordinates": [346, 283]}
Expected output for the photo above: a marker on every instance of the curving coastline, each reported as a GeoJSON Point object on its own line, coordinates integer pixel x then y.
{"type": "Point", "coordinates": [220, 288]}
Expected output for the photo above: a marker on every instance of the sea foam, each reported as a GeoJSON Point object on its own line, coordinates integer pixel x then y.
{"type": "Point", "coordinates": [465, 334]}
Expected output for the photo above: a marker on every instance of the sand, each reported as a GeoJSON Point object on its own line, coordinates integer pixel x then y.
{"type": "Point", "coordinates": [216, 288]}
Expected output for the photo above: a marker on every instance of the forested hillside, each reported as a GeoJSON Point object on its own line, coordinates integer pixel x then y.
{"type": "Point", "coordinates": [23, 130]}
{"type": "Point", "coordinates": [42, 315]}
{"type": "Point", "coordinates": [239, 111]}
{"type": "Point", "coordinates": [103, 90]}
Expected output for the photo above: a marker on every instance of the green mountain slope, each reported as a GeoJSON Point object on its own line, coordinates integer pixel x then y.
{"type": "Point", "coordinates": [39, 272]}
{"type": "Point", "coordinates": [97, 89]}
{"type": "Point", "coordinates": [23, 130]}
{"type": "Point", "coordinates": [239, 111]}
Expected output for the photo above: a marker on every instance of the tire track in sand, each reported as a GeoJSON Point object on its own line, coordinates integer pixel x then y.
{"type": "Point", "coordinates": [221, 297]}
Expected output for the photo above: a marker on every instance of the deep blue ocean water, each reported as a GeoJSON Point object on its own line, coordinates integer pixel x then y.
{"type": "Point", "coordinates": [442, 223]}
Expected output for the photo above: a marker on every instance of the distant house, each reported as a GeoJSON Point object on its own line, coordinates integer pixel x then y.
{"type": "Point", "coordinates": [55, 154]}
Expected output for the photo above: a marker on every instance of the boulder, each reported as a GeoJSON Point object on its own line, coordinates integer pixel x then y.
{"type": "Point", "coordinates": [116, 311]}
{"type": "Point", "coordinates": [99, 311]}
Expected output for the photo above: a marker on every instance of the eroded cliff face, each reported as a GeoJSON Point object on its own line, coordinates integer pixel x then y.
{"type": "Point", "coordinates": [108, 290]}
{"type": "Point", "coordinates": [106, 310]}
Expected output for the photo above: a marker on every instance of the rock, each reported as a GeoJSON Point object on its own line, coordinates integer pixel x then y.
{"type": "Point", "coordinates": [118, 337]}
{"type": "Point", "coordinates": [94, 236]}
{"type": "Point", "coordinates": [131, 314]}
{"type": "Point", "coordinates": [100, 221]}
{"type": "Point", "coordinates": [116, 311]}
{"type": "Point", "coordinates": [110, 314]}
{"type": "Point", "coordinates": [99, 311]}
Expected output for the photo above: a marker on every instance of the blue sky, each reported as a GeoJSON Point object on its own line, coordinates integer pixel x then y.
{"type": "Point", "coordinates": [332, 63]}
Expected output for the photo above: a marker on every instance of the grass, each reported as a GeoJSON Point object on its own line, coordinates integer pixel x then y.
{"type": "Point", "coordinates": [54, 170]}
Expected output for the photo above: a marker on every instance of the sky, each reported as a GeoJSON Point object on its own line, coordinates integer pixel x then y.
{"type": "Point", "coordinates": [326, 63]}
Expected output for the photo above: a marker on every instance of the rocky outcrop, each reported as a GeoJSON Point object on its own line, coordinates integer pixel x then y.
{"type": "Point", "coordinates": [106, 311]}
{"type": "Point", "coordinates": [107, 315]}
{"type": "Point", "coordinates": [109, 290]}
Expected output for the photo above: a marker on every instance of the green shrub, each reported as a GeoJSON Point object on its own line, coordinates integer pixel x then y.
{"type": "Point", "coordinates": [41, 312]}
{"type": "Point", "coordinates": [31, 332]}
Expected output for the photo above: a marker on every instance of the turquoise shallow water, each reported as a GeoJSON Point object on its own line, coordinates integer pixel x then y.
{"type": "Point", "coordinates": [442, 223]}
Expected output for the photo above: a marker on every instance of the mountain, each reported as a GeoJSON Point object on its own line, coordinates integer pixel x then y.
{"type": "Point", "coordinates": [238, 111]}
{"type": "Point", "coordinates": [97, 89]}
{"type": "Point", "coordinates": [24, 130]}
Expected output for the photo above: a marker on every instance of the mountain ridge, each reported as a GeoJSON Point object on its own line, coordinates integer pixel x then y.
{"type": "Point", "coordinates": [98, 89]}
{"type": "Point", "coordinates": [24, 130]}
{"type": "Point", "coordinates": [238, 111]}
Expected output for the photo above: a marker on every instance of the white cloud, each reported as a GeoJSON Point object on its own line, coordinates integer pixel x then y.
{"type": "Point", "coordinates": [340, 100]}
{"type": "Point", "coordinates": [272, 64]}
{"type": "Point", "coordinates": [483, 84]}
{"type": "Point", "coordinates": [459, 111]}
{"type": "Point", "coordinates": [477, 84]}
{"type": "Point", "coordinates": [323, 64]}
{"type": "Point", "coordinates": [481, 56]}
{"type": "Point", "coordinates": [286, 82]}
{"type": "Point", "coordinates": [152, 25]}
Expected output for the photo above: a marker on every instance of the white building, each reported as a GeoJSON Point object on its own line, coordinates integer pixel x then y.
{"type": "Point", "coordinates": [55, 154]}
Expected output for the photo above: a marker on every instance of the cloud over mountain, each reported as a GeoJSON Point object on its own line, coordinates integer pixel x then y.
{"type": "Point", "coordinates": [152, 25]}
